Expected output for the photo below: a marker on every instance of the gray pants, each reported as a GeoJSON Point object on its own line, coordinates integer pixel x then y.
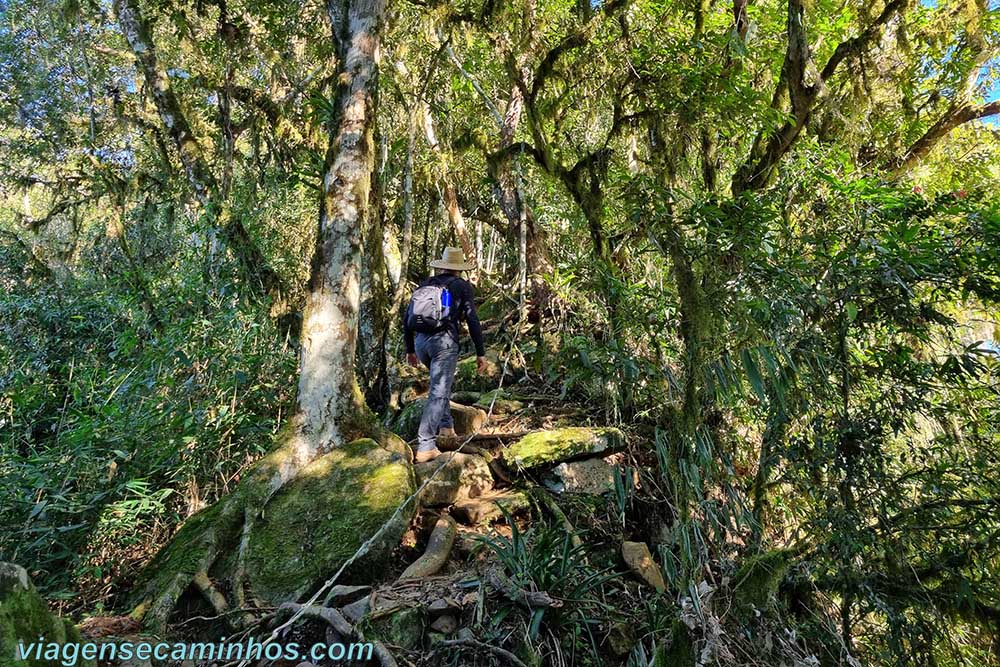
{"type": "Point", "coordinates": [439, 352]}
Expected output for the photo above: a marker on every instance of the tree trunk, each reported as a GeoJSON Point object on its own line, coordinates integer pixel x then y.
{"type": "Point", "coordinates": [521, 223]}
{"type": "Point", "coordinates": [327, 382]}
{"type": "Point", "coordinates": [367, 478]}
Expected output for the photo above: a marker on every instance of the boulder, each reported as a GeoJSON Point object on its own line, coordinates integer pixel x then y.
{"type": "Point", "coordinates": [564, 444]}
{"type": "Point", "coordinates": [590, 476]}
{"type": "Point", "coordinates": [467, 419]}
{"type": "Point", "coordinates": [443, 606]}
{"type": "Point", "coordinates": [24, 617]}
{"type": "Point", "coordinates": [467, 377]}
{"type": "Point", "coordinates": [640, 561]}
{"type": "Point", "coordinates": [357, 610]}
{"type": "Point", "coordinates": [320, 518]}
{"type": "Point", "coordinates": [446, 624]}
{"type": "Point", "coordinates": [487, 507]}
{"type": "Point", "coordinates": [463, 476]}
{"type": "Point", "coordinates": [502, 402]}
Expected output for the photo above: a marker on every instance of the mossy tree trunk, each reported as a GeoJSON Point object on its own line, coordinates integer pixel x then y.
{"type": "Point", "coordinates": [216, 549]}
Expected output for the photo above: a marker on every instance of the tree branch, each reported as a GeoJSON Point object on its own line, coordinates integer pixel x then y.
{"type": "Point", "coordinates": [935, 133]}
{"type": "Point", "coordinates": [137, 34]}
{"type": "Point", "coordinates": [206, 188]}
{"type": "Point", "coordinates": [768, 150]}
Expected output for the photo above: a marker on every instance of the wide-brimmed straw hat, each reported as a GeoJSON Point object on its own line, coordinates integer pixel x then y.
{"type": "Point", "coordinates": [454, 259]}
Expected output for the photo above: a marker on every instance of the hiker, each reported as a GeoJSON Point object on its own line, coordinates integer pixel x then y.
{"type": "Point", "coordinates": [431, 332]}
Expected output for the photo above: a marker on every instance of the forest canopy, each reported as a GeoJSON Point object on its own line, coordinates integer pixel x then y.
{"type": "Point", "coordinates": [761, 240]}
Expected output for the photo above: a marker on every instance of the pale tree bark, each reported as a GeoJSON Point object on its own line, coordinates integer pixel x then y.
{"type": "Point", "coordinates": [327, 383]}
{"type": "Point", "coordinates": [331, 410]}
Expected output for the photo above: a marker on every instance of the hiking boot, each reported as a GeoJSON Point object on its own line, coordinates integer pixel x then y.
{"type": "Point", "coordinates": [425, 456]}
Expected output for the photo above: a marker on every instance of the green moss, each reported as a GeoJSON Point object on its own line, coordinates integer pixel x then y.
{"type": "Point", "coordinates": [403, 628]}
{"type": "Point", "coordinates": [466, 397]}
{"type": "Point", "coordinates": [408, 421]}
{"type": "Point", "coordinates": [182, 554]}
{"type": "Point", "coordinates": [502, 405]}
{"type": "Point", "coordinates": [24, 617]}
{"type": "Point", "coordinates": [758, 579]}
{"type": "Point", "coordinates": [319, 519]}
{"type": "Point", "coordinates": [680, 653]}
{"type": "Point", "coordinates": [544, 447]}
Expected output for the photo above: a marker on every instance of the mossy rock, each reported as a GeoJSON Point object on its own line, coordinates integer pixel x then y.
{"type": "Point", "coordinates": [548, 447]}
{"type": "Point", "coordinates": [24, 617]}
{"type": "Point", "coordinates": [467, 377]}
{"type": "Point", "coordinates": [403, 628]}
{"type": "Point", "coordinates": [503, 404]}
{"type": "Point", "coordinates": [757, 580]}
{"type": "Point", "coordinates": [467, 419]}
{"type": "Point", "coordinates": [466, 397]}
{"type": "Point", "coordinates": [319, 519]}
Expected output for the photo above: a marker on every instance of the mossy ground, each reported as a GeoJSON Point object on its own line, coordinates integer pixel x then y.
{"type": "Point", "coordinates": [319, 519]}
{"type": "Point", "coordinates": [501, 402]}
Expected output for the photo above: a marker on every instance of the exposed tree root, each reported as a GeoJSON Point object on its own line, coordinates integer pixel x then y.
{"type": "Point", "coordinates": [518, 595]}
{"type": "Point", "coordinates": [342, 627]}
{"type": "Point", "coordinates": [211, 551]}
{"type": "Point", "coordinates": [211, 594]}
{"type": "Point", "coordinates": [438, 549]}
{"type": "Point", "coordinates": [482, 646]}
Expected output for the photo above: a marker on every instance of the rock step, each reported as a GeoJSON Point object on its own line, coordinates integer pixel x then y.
{"type": "Point", "coordinates": [543, 448]}
{"type": "Point", "coordinates": [462, 476]}
{"type": "Point", "coordinates": [489, 507]}
{"type": "Point", "coordinates": [467, 419]}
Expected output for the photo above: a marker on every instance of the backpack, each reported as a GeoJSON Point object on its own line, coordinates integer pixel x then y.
{"type": "Point", "coordinates": [430, 309]}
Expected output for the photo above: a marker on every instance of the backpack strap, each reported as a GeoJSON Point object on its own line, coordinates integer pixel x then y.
{"type": "Point", "coordinates": [455, 304]}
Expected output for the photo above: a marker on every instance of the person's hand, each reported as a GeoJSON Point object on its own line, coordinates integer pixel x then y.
{"type": "Point", "coordinates": [481, 365]}
{"type": "Point", "coordinates": [412, 360]}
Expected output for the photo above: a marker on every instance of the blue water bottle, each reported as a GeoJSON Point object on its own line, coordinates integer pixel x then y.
{"type": "Point", "coordinates": [446, 299]}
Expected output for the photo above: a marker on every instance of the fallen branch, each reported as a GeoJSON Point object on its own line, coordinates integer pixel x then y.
{"type": "Point", "coordinates": [472, 643]}
{"type": "Point", "coordinates": [518, 595]}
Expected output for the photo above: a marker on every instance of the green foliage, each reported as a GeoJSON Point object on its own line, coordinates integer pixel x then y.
{"type": "Point", "coordinates": [112, 430]}
{"type": "Point", "coordinates": [813, 359]}
{"type": "Point", "coordinates": [544, 558]}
